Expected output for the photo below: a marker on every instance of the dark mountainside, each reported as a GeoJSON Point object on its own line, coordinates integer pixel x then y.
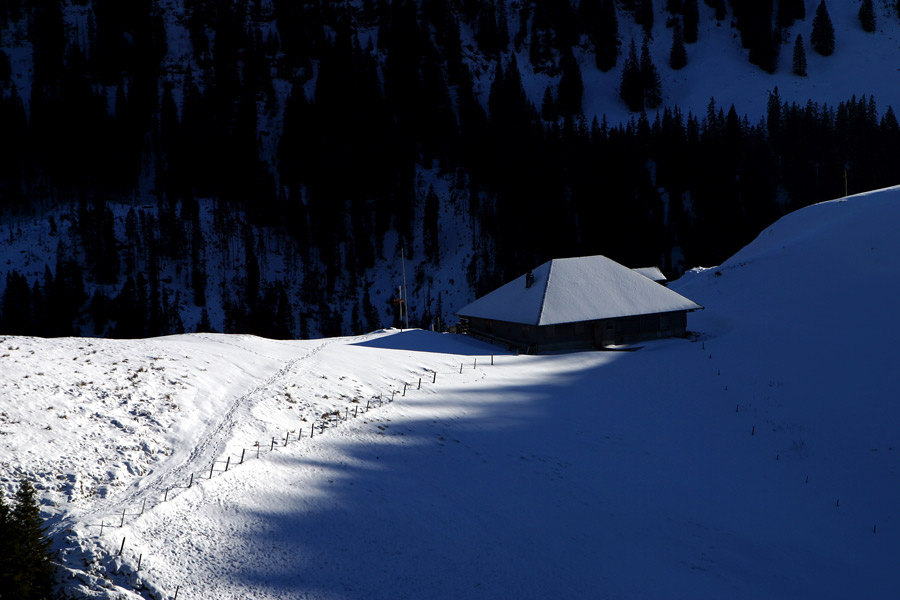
{"type": "Point", "coordinates": [257, 166]}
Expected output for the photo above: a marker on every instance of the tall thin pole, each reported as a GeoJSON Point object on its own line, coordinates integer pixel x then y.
{"type": "Point", "coordinates": [405, 300]}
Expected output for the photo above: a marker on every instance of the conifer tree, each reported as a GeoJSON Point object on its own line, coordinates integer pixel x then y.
{"type": "Point", "coordinates": [604, 33]}
{"type": "Point", "coordinates": [867, 16]}
{"type": "Point", "coordinates": [650, 80]}
{"type": "Point", "coordinates": [7, 566]}
{"type": "Point", "coordinates": [789, 11]}
{"type": "Point", "coordinates": [822, 38]}
{"type": "Point", "coordinates": [571, 85]}
{"type": "Point", "coordinates": [691, 21]}
{"type": "Point", "coordinates": [643, 16]}
{"type": "Point", "coordinates": [548, 106]}
{"type": "Point", "coordinates": [31, 546]}
{"type": "Point", "coordinates": [677, 55]}
{"type": "Point", "coordinates": [631, 88]}
{"type": "Point", "coordinates": [799, 63]}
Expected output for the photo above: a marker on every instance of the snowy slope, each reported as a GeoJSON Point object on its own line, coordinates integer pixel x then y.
{"type": "Point", "coordinates": [760, 461]}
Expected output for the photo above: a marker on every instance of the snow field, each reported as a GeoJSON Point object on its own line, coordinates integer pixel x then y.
{"type": "Point", "coordinates": [761, 459]}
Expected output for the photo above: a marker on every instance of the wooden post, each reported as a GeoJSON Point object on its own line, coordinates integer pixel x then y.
{"type": "Point", "coordinates": [122, 547]}
{"type": "Point", "coordinates": [355, 409]}
{"type": "Point", "coordinates": [460, 368]}
{"type": "Point", "coordinates": [433, 379]}
{"type": "Point", "coordinates": [404, 389]}
{"type": "Point", "coordinates": [227, 462]}
{"type": "Point", "coordinates": [143, 505]}
{"type": "Point", "coordinates": [101, 528]}
{"type": "Point", "coordinates": [420, 384]}
{"type": "Point", "coordinates": [286, 437]}
{"type": "Point", "coordinates": [367, 406]}
{"type": "Point", "coordinates": [242, 456]}
{"type": "Point", "coordinates": [347, 415]}
{"type": "Point", "coordinates": [191, 482]}
{"type": "Point", "coordinates": [492, 360]}
{"type": "Point", "coordinates": [272, 447]}
{"type": "Point", "coordinates": [392, 394]}
{"type": "Point", "coordinates": [166, 495]}
{"type": "Point", "coordinates": [177, 587]}
{"type": "Point", "coordinates": [211, 467]}
{"type": "Point", "coordinates": [312, 429]}
{"type": "Point", "coordinates": [122, 523]}
{"type": "Point", "coordinates": [140, 557]}
{"type": "Point", "coordinates": [475, 364]}
{"type": "Point", "coordinates": [257, 449]}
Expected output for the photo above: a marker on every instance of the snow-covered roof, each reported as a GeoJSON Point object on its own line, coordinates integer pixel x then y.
{"type": "Point", "coordinates": [569, 290]}
{"type": "Point", "coordinates": [651, 272]}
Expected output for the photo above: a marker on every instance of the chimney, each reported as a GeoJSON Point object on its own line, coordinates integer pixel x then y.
{"type": "Point", "coordinates": [529, 279]}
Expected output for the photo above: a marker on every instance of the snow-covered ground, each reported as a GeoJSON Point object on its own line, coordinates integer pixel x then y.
{"type": "Point", "coordinates": [761, 460]}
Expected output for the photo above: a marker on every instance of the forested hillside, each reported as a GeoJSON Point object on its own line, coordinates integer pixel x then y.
{"type": "Point", "coordinates": [258, 166]}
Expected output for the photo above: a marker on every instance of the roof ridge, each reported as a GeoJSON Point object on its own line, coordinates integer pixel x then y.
{"type": "Point", "coordinates": [546, 287]}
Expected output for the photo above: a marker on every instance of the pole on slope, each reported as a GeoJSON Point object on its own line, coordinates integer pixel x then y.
{"type": "Point", "coordinates": [140, 557]}
{"type": "Point", "coordinates": [122, 523]}
{"type": "Point", "coordinates": [433, 379]}
{"type": "Point", "coordinates": [405, 300]}
{"type": "Point", "coordinates": [242, 456]}
{"type": "Point", "coordinates": [122, 547]}
{"type": "Point", "coordinates": [227, 462]}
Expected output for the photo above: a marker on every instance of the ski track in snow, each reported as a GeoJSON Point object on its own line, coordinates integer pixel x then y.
{"type": "Point", "coordinates": [209, 447]}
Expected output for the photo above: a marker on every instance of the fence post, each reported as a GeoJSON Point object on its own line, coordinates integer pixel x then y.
{"type": "Point", "coordinates": [367, 406]}
{"type": "Point", "coordinates": [286, 437]}
{"type": "Point", "coordinates": [101, 528]}
{"type": "Point", "coordinates": [191, 482]}
{"type": "Point", "coordinates": [460, 368]}
{"type": "Point", "coordinates": [211, 467]}
{"type": "Point", "coordinates": [143, 506]}
{"type": "Point", "coordinates": [242, 455]}
{"type": "Point", "coordinates": [227, 462]}
{"type": "Point", "coordinates": [122, 524]}
{"type": "Point", "coordinates": [272, 447]}
{"type": "Point", "coordinates": [434, 378]}
{"type": "Point", "coordinates": [392, 394]}
{"type": "Point", "coordinates": [122, 547]}
{"type": "Point", "coordinates": [475, 365]}
{"type": "Point", "coordinates": [140, 557]}
{"type": "Point", "coordinates": [257, 449]}
{"type": "Point", "coordinates": [355, 408]}
{"type": "Point", "coordinates": [166, 495]}
{"type": "Point", "coordinates": [312, 429]}
{"type": "Point", "coordinates": [420, 384]}
{"type": "Point", "coordinates": [177, 587]}
{"type": "Point", "coordinates": [404, 389]}
{"type": "Point", "coordinates": [492, 360]}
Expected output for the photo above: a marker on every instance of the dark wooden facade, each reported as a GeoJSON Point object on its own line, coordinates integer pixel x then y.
{"type": "Point", "coordinates": [582, 334]}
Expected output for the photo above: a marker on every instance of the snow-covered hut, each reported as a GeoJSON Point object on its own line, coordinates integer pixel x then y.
{"type": "Point", "coordinates": [590, 301]}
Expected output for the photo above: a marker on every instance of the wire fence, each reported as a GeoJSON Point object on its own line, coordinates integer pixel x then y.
{"type": "Point", "coordinates": [259, 450]}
